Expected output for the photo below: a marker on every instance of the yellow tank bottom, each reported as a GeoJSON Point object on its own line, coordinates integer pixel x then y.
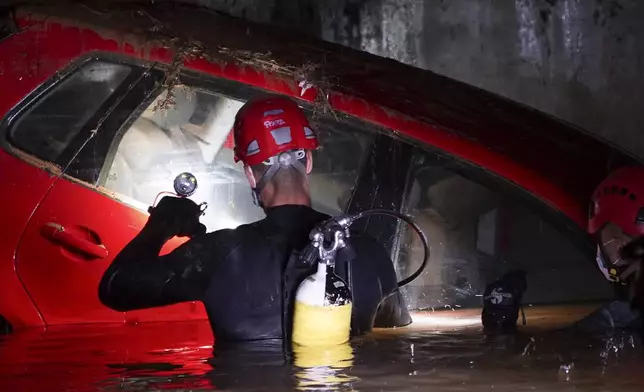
{"type": "Point", "coordinates": [321, 325]}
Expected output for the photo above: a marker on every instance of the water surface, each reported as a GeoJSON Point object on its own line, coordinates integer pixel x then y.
{"type": "Point", "coordinates": [443, 351]}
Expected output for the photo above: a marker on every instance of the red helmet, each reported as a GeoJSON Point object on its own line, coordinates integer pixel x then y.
{"type": "Point", "coordinates": [619, 199]}
{"type": "Point", "coordinates": [269, 125]}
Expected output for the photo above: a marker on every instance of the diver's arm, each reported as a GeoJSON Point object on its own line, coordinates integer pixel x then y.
{"type": "Point", "coordinates": [139, 278]}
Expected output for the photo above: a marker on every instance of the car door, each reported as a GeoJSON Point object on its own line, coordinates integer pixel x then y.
{"type": "Point", "coordinates": [153, 135]}
{"type": "Point", "coordinates": [75, 232]}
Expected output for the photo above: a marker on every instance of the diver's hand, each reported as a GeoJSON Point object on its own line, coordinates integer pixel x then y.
{"type": "Point", "coordinates": [175, 216]}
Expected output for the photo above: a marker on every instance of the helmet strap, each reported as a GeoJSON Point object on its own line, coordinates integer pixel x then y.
{"type": "Point", "coordinates": [285, 160]}
{"type": "Point", "coordinates": [257, 200]}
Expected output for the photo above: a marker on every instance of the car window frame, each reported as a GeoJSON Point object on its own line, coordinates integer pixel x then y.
{"type": "Point", "coordinates": [188, 77]}
{"type": "Point", "coordinates": [49, 85]}
{"type": "Point", "coordinates": [229, 88]}
{"type": "Point", "coordinates": [384, 138]}
{"type": "Point", "coordinates": [124, 114]}
{"type": "Point", "coordinates": [548, 213]}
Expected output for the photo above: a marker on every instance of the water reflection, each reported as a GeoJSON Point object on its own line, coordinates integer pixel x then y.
{"type": "Point", "coordinates": [427, 356]}
{"type": "Point", "coordinates": [323, 368]}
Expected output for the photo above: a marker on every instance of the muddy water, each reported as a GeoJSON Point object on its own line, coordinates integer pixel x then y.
{"type": "Point", "coordinates": [443, 351]}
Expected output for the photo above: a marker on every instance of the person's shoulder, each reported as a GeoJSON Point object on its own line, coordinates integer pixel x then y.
{"type": "Point", "coordinates": [231, 232]}
{"type": "Point", "coordinates": [218, 244]}
{"type": "Point", "coordinates": [234, 235]}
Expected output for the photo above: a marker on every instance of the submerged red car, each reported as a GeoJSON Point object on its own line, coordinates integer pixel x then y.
{"type": "Point", "coordinates": [102, 107]}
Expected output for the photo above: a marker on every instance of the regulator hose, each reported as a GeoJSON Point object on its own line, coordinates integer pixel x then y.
{"type": "Point", "coordinates": [414, 226]}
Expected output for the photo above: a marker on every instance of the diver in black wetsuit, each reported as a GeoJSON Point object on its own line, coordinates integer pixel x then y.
{"type": "Point", "coordinates": [237, 273]}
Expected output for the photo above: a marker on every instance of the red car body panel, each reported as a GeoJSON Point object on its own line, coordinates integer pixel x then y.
{"type": "Point", "coordinates": [72, 275]}
{"type": "Point", "coordinates": [556, 163]}
{"type": "Point", "coordinates": [29, 185]}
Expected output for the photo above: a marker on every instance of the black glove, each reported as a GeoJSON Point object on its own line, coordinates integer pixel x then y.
{"type": "Point", "coordinates": [175, 216]}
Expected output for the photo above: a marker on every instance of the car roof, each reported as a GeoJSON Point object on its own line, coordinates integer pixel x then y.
{"type": "Point", "coordinates": [555, 161]}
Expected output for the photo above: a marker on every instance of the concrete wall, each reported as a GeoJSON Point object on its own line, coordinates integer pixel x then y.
{"type": "Point", "coordinates": [580, 60]}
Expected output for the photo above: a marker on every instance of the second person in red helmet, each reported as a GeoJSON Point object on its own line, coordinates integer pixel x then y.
{"type": "Point", "coordinates": [616, 222]}
{"type": "Point", "coordinates": [616, 219]}
{"type": "Point", "coordinates": [237, 273]}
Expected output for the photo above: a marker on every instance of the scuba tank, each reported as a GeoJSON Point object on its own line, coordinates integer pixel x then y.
{"type": "Point", "coordinates": [319, 307]}
{"type": "Point", "coordinates": [322, 310]}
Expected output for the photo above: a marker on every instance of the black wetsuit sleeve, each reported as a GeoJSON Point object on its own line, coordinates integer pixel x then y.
{"type": "Point", "coordinates": [139, 278]}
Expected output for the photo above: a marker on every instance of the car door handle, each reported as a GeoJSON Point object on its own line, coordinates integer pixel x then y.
{"type": "Point", "coordinates": [57, 233]}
